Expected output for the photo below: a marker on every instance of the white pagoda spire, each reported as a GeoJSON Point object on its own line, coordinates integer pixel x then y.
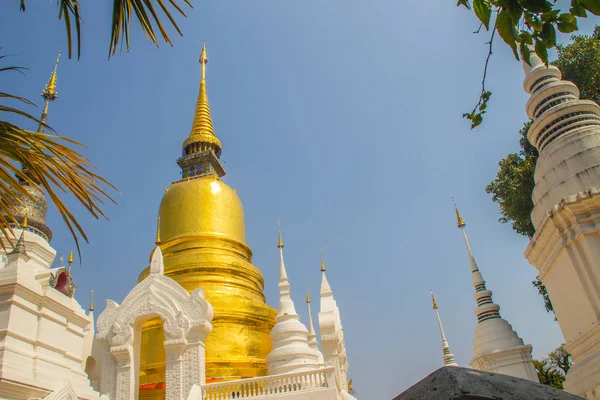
{"type": "Point", "coordinates": [446, 355]}
{"type": "Point", "coordinates": [496, 346]}
{"type": "Point", "coordinates": [312, 336]}
{"type": "Point", "coordinates": [566, 132]}
{"type": "Point", "coordinates": [291, 351]}
{"type": "Point", "coordinates": [486, 308]}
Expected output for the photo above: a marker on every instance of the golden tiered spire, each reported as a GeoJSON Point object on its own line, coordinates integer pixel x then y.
{"type": "Point", "coordinates": [280, 243]}
{"type": "Point", "coordinates": [24, 223]}
{"type": "Point", "coordinates": [202, 137]}
{"type": "Point", "coordinates": [49, 92]}
{"type": "Point", "coordinates": [459, 221]}
{"type": "Point", "coordinates": [435, 305]}
{"type": "Point", "coordinates": [322, 262]}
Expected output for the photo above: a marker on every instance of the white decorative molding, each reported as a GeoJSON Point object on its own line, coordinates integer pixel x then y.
{"type": "Point", "coordinates": [186, 322]}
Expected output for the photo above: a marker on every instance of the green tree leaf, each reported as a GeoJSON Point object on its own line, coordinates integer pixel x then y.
{"type": "Point", "coordinates": [548, 34]}
{"type": "Point", "coordinates": [536, 6]}
{"type": "Point", "coordinates": [533, 21]}
{"type": "Point", "coordinates": [464, 3]}
{"type": "Point", "coordinates": [577, 9]}
{"type": "Point", "coordinates": [505, 28]}
{"type": "Point", "coordinates": [592, 6]}
{"type": "Point", "coordinates": [550, 16]}
{"type": "Point", "coordinates": [525, 53]}
{"type": "Point", "coordinates": [483, 11]}
{"type": "Point", "coordinates": [567, 23]}
{"type": "Point", "coordinates": [541, 50]}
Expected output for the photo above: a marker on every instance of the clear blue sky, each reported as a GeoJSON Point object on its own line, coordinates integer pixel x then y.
{"type": "Point", "coordinates": [341, 117]}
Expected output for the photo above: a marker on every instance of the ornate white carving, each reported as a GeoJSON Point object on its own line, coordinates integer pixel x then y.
{"type": "Point", "coordinates": [186, 322]}
{"type": "Point", "coordinates": [65, 392]}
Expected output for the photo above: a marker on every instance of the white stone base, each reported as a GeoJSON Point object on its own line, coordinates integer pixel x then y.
{"type": "Point", "coordinates": [515, 362]}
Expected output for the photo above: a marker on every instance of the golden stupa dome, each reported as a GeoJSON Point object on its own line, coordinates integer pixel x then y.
{"type": "Point", "coordinates": [201, 206]}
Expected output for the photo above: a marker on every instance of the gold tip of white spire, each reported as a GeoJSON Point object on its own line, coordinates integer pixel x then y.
{"type": "Point", "coordinates": [92, 301]}
{"type": "Point", "coordinates": [435, 305]}
{"type": "Point", "coordinates": [280, 243]}
{"type": "Point", "coordinates": [460, 222]}
{"type": "Point", "coordinates": [322, 262]}
{"type": "Point", "coordinates": [307, 295]}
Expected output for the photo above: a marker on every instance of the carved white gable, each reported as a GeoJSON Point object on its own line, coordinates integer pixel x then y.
{"type": "Point", "coordinates": [65, 392]}
{"type": "Point", "coordinates": [187, 320]}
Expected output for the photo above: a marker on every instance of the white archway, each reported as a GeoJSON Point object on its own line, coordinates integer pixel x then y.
{"type": "Point", "coordinates": [186, 322]}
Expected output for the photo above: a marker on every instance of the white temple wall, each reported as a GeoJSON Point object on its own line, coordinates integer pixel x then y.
{"type": "Point", "coordinates": [569, 299]}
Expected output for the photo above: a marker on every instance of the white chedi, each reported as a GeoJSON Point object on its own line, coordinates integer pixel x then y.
{"type": "Point", "coordinates": [290, 352]}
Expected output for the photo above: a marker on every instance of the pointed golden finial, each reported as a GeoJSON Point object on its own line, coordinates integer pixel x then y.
{"type": "Point", "coordinates": [24, 223]}
{"type": "Point", "coordinates": [70, 260]}
{"type": "Point", "coordinates": [460, 222]}
{"type": "Point", "coordinates": [157, 241]}
{"type": "Point", "coordinates": [307, 295]}
{"type": "Point", "coordinates": [92, 301]}
{"type": "Point", "coordinates": [322, 262]}
{"type": "Point", "coordinates": [49, 92]}
{"type": "Point", "coordinates": [350, 386]}
{"type": "Point", "coordinates": [203, 59]}
{"type": "Point", "coordinates": [280, 243]}
{"type": "Point", "coordinates": [202, 137]}
{"type": "Point", "coordinates": [435, 305]}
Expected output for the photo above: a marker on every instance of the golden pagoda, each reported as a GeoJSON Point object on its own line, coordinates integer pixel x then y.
{"type": "Point", "coordinates": [203, 241]}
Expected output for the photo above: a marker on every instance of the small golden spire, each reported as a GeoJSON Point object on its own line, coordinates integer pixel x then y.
{"type": "Point", "coordinates": [459, 221]}
{"type": "Point", "coordinates": [24, 223]}
{"type": "Point", "coordinates": [322, 262]}
{"type": "Point", "coordinates": [157, 241]}
{"type": "Point", "coordinates": [280, 243]}
{"type": "Point", "coordinates": [92, 301]}
{"type": "Point", "coordinates": [307, 295]}
{"type": "Point", "coordinates": [203, 132]}
{"type": "Point", "coordinates": [49, 92]}
{"type": "Point", "coordinates": [70, 260]}
{"type": "Point", "coordinates": [435, 305]}
{"type": "Point", "coordinates": [350, 386]}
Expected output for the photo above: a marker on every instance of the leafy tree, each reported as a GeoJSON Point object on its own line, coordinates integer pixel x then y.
{"type": "Point", "coordinates": [548, 375]}
{"type": "Point", "coordinates": [553, 369]}
{"type": "Point", "coordinates": [512, 188]}
{"type": "Point", "coordinates": [524, 25]}
{"type": "Point", "coordinates": [560, 359]}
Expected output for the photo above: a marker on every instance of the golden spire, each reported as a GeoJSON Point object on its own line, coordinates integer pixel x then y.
{"type": "Point", "coordinates": [435, 305]}
{"type": "Point", "coordinates": [92, 301]}
{"type": "Point", "coordinates": [24, 223]}
{"type": "Point", "coordinates": [157, 241]}
{"type": "Point", "coordinates": [350, 386]}
{"type": "Point", "coordinates": [307, 295]}
{"type": "Point", "coordinates": [202, 137]}
{"type": "Point", "coordinates": [280, 243]}
{"type": "Point", "coordinates": [322, 262]}
{"type": "Point", "coordinates": [459, 221]}
{"type": "Point", "coordinates": [49, 92]}
{"type": "Point", "coordinates": [70, 259]}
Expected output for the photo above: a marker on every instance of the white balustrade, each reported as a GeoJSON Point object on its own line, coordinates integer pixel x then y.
{"type": "Point", "coordinates": [266, 385]}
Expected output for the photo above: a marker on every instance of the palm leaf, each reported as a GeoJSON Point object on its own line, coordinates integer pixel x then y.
{"type": "Point", "coordinates": [148, 18]}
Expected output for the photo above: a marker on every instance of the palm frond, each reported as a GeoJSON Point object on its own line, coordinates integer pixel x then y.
{"type": "Point", "coordinates": [148, 18]}
{"type": "Point", "coordinates": [55, 167]}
